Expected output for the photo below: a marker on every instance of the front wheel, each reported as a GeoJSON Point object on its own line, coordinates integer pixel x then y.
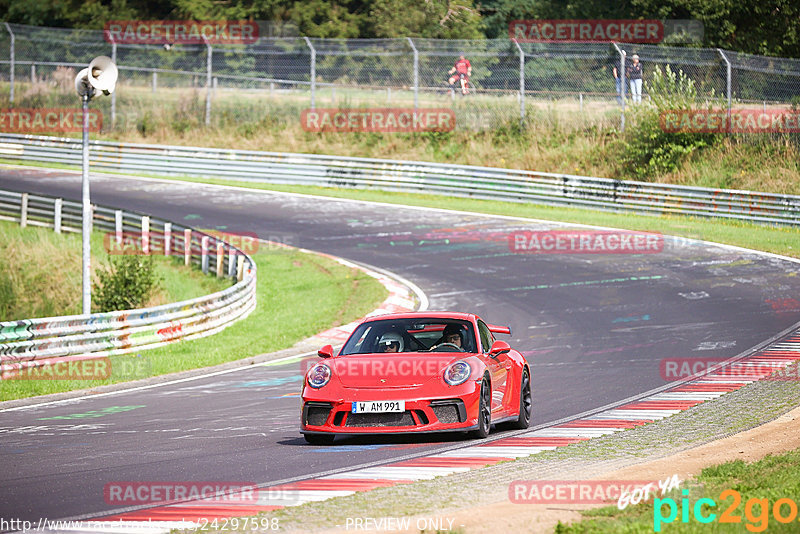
{"type": "Point", "coordinates": [319, 439]}
{"type": "Point", "coordinates": [484, 410]}
{"type": "Point", "coordinates": [525, 401]}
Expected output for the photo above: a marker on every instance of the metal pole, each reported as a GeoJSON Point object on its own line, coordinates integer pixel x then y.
{"type": "Point", "coordinates": [155, 80]}
{"type": "Point", "coordinates": [416, 72]}
{"type": "Point", "coordinates": [622, 82]}
{"type": "Point", "coordinates": [313, 71]}
{"type": "Point", "coordinates": [87, 214]}
{"type": "Point", "coordinates": [521, 82]}
{"type": "Point", "coordinates": [728, 82]}
{"type": "Point", "coordinates": [208, 86]}
{"type": "Point", "coordinates": [11, 57]}
{"type": "Point", "coordinates": [114, 94]}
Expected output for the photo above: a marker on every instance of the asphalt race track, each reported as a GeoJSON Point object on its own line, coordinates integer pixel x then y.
{"type": "Point", "coordinates": [595, 328]}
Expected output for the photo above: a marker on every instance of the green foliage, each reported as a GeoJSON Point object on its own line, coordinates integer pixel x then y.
{"type": "Point", "coordinates": [649, 150]}
{"type": "Point", "coordinates": [437, 19]}
{"type": "Point", "coordinates": [146, 125]}
{"type": "Point", "coordinates": [126, 283]}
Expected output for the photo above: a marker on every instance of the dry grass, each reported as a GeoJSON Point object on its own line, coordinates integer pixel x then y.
{"type": "Point", "coordinates": [560, 136]}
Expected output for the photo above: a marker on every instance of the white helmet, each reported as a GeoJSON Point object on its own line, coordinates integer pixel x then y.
{"type": "Point", "coordinates": [390, 338]}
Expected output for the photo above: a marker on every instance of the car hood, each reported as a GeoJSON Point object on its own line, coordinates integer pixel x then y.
{"type": "Point", "coordinates": [395, 370]}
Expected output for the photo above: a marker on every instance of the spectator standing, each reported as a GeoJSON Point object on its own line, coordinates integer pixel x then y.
{"type": "Point", "coordinates": [634, 74]}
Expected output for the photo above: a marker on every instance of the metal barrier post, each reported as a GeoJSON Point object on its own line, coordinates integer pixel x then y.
{"type": "Point", "coordinates": [11, 57]}
{"type": "Point", "coordinates": [57, 215]}
{"type": "Point", "coordinates": [155, 80]}
{"type": "Point", "coordinates": [727, 83]}
{"type": "Point", "coordinates": [313, 71]}
{"type": "Point", "coordinates": [23, 216]}
{"type": "Point", "coordinates": [416, 72]}
{"type": "Point", "coordinates": [521, 83]}
{"type": "Point", "coordinates": [208, 85]}
{"type": "Point", "coordinates": [86, 226]}
{"type": "Point", "coordinates": [114, 94]}
{"type": "Point", "coordinates": [622, 82]}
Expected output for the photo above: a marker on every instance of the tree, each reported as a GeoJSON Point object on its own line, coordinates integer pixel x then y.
{"type": "Point", "coordinates": [435, 19]}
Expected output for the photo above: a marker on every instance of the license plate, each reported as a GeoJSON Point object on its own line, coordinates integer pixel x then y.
{"type": "Point", "coordinates": [379, 406]}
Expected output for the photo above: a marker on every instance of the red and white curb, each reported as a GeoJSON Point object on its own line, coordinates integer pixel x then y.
{"type": "Point", "coordinates": [658, 406]}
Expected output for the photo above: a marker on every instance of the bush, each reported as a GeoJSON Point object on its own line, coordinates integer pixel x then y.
{"type": "Point", "coordinates": [649, 151]}
{"type": "Point", "coordinates": [126, 283]}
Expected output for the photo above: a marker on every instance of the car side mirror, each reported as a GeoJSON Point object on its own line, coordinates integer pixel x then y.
{"type": "Point", "coordinates": [498, 348]}
{"type": "Point", "coordinates": [325, 352]}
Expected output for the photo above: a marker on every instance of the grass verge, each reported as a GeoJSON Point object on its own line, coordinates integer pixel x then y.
{"type": "Point", "coordinates": [746, 492]}
{"type": "Point", "coordinates": [40, 273]}
{"type": "Point", "coordinates": [299, 295]}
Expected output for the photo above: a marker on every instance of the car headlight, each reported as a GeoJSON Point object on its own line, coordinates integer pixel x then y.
{"type": "Point", "coordinates": [457, 373]}
{"type": "Point", "coordinates": [319, 375]}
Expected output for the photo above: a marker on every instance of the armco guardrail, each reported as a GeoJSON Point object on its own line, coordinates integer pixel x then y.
{"type": "Point", "coordinates": [33, 342]}
{"type": "Point", "coordinates": [388, 175]}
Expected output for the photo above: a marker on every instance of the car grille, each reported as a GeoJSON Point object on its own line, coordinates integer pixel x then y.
{"type": "Point", "coordinates": [316, 413]}
{"type": "Point", "coordinates": [379, 419]}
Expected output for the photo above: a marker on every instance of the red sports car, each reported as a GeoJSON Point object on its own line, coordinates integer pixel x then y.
{"type": "Point", "coordinates": [417, 372]}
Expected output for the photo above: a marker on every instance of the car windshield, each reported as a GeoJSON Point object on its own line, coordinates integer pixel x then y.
{"type": "Point", "coordinates": [411, 335]}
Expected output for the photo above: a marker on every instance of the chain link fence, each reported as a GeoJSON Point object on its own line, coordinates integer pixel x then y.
{"type": "Point", "coordinates": [274, 79]}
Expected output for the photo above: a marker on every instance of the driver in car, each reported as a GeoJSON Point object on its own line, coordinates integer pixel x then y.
{"type": "Point", "coordinates": [452, 336]}
{"type": "Point", "coordinates": [391, 342]}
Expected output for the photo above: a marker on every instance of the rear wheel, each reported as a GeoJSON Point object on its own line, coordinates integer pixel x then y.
{"type": "Point", "coordinates": [484, 410]}
{"type": "Point", "coordinates": [525, 401]}
{"type": "Point", "coordinates": [319, 439]}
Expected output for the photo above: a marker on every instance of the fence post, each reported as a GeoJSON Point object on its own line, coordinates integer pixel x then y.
{"type": "Point", "coordinates": [204, 254]}
{"type": "Point", "coordinates": [727, 82]}
{"type": "Point", "coordinates": [521, 82]}
{"type": "Point", "coordinates": [155, 80]}
{"type": "Point", "coordinates": [220, 258]}
{"type": "Point", "coordinates": [313, 70]}
{"type": "Point", "coordinates": [208, 85]}
{"type": "Point", "coordinates": [416, 72]}
{"type": "Point", "coordinates": [231, 262]}
{"type": "Point", "coordinates": [114, 94]}
{"type": "Point", "coordinates": [33, 72]}
{"type": "Point", "coordinates": [118, 226]}
{"type": "Point", "coordinates": [187, 246]}
{"type": "Point", "coordinates": [146, 235]}
{"type": "Point", "coordinates": [622, 82]}
{"type": "Point", "coordinates": [23, 216]}
{"type": "Point", "coordinates": [167, 238]}
{"type": "Point", "coordinates": [11, 57]}
{"type": "Point", "coordinates": [57, 215]}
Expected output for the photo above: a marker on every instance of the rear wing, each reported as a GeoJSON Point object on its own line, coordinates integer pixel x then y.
{"type": "Point", "coordinates": [495, 329]}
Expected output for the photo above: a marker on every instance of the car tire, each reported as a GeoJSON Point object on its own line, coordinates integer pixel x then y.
{"type": "Point", "coordinates": [484, 410]}
{"type": "Point", "coordinates": [525, 401]}
{"type": "Point", "coordinates": [319, 439]}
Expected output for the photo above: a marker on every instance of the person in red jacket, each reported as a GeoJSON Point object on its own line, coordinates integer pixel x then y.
{"type": "Point", "coordinates": [461, 72]}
